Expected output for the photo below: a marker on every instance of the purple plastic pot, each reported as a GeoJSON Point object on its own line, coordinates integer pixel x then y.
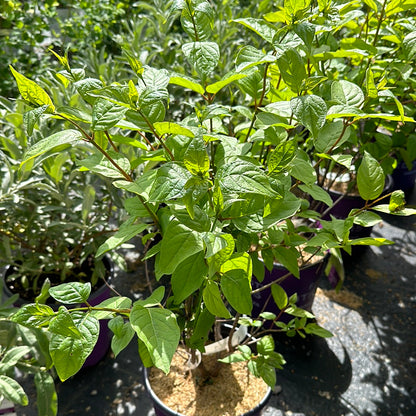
{"type": "Point", "coordinates": [404, 178]}
{"type": "Point", "coordinates": [104, 338]}
{"type": "Point", "coordinates": [305, 287]}
{"type": "Point", "coordinates": [162, 410]}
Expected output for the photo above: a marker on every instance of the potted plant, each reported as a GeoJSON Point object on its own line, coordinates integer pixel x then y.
{"type": "Point", "coordinates": [219, 186]}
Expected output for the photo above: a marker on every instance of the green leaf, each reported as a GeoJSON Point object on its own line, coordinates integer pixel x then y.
{"type": "Point", "coordinates": [370, 178]}
{"type": "Point", "coordinates": [106, 114]}
{"type": "Point", "coordinates": [98, 163]}
{"type": "Point", "coordinates": [396, 6]}
{"type": "Point", "coordinates": [71, 292]}
{"type": "Point", "coordinates": [409, 45]}
{"type": "Point", "coordinates": [196, 158]}
{"type": "Point", "coordinates": [288, 257]}
{"type": "Point", "coordinates": [30, 118]}
{"type": "Point", "coordinates": [12, 391]}
{"type": "Point", "coordinates": [317, 193]}
{"type": "Point", "coordinates": [302, 169]}
{"type": "Point", "coordinates": [187, 82]}
{"type": "Point", "coordinates": [370, 86]}
{"type": "Point", "coordinates": [397, 201]}
{"type": "Point", "coordinates": [47, 399]}
{"type": "Point", "coordinates": [63, 324]}
{"type": "Point", "coordinates": [119, 302]}
{"type": "Point", "coordinates": [249, 56]}
{"type": "Point", "coordinates": [241, 176]}
{"type": "Point", "coordinates": [201, 329]}
{"type": "Point", "coordinates": [279, 296]}
{"type": "Point", "coordinates": [126, 232]}
{"type": "Point", "coordinates": [155, 299]}
{"type": "Point", "coordinates": [235, 285]}
{"type": "Point", "coordinates": [265, 30]}
{"type": "Point", "coordinates": [69, 354]}
{"type": "Point", "coordinates": [188, 276]}
{"type": "Point", "coordinates": [213, 300]}
{"type": "Point", "coordinates": [366, 219]}
{"type": "Point", "coordinates": [33, 314]}
{"type": "Point", "coordinates": [123, 334]}
{"type": "Point", "coordinates": [197, 19]}
{"type": "Point", "coordinates": [168, 127]}
{"type": "Point", "coordinates": [12, 356]}
{"type": "Point", "coordinates": [292, 69]}
{"type": "Point", "coordinates": [347, 93]}
{"type": "Point", "coordinates": [386, 209]}
{"type": "Point", "coordinates": [310, 110]}
{"type": "Point", "coordinates": [306, 31]}
{"type": "Point", "coordinates": [179, 242]}
{"type": "Point", "coordinates": [281, 156]}
{"type": "Point", "coordinates": [357, 44]}
{"type": "Point", "coordinates": [203, 56]}
{"type": "Point", "coordinates": [315, 329]}
{"type": "Point", "coordinates": [329, 136]}
{"type": "Point", "coordinates": [86, 85]}
{"type": "Point", "coordinates": [226, 80]}
{"type": "Point", "coordinates": [32, 92]}
{"type": "Point", "coordinates": [70, 137]}
{"type": "Point", "coordinates": [158, 330]}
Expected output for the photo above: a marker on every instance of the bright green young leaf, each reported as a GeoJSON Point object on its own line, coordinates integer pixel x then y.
{"type": "Point", "coordinates": [249, 56]}
{"type": "Point", "coordinates": [12, 391]}
{"type": "Point", "coordinates": [126, 232]}
{"type": "Point", "coordinates": [317, 193]}
{"type": "Point", "coordinates": [370, 86]}
{"type": "Point", "coordinates": [69, 137]}
{"type": "Point", "coordinates": [187, 82]}
{"type": "Point", "coordinates": [71, 292]}
{"type": "Point", "coordinates": [279, 296]}
{"type": "Point", "coordinates": [167, 127]}
{"type": "Point", "coordinates": [313, 328]}
{"type": "Point", "coordinates": [310, 110]}
{"type": "Point", "coordinates": [30, 118]}
{"type": "Point", "coordinates": [357, 44]}
{"type": "Point", "coordinates": [119, 302]}
{"type": "Point", "coordinates": [409, 45]}
{"type": "Point", "coordinates": [123, 334]}
{"type": "Point", "coordinates": [347, 93]}
{"type": "Point", "coordinates": [288, 257]}
{"type": "Point", "coordinates": [213, 301]}
{"type": "Point", "coordinates": [158, 330]}
{"type": "Point", "coordinates": [226, 80]}
{"type": "Point", "coordinates": [12, 356]}
{"type": "Point", "coordinates": [203, 56]}
{"type": "Point", "coordinates": [196, 158]}
{"type": "Point", "coordinates": [106, 114]}
{"type": "Point", "coordinates": [370, 178]}
{"type": "Point", "coordinates": [197, 19]}
{"type": "Point", "coordinates": [32, 92]}
{"type": "Point", "coordinates": [397, 201]}
{"type": "Point", "coordinates": [63, 324]}
{"type": "Point", "coordinates": [236, 287]}
{"type": "Point", "coordinates": [281, 156]}
{"type": "Point", "coordinates": [397, 6]}
{"type": "Point", "coordinates": [188, 276]}
{"type": "Point", "coordinates": [179, 242]}
{"type": "Point", "coordinates": [33, 315]}
{"type": "Point", "coordinates": [265, 30]}
{"type": "Point", "coordinates": [302, 169]}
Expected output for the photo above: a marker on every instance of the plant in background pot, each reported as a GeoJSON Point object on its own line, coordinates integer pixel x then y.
{"type": "Point", "coordinates": [219, 186]}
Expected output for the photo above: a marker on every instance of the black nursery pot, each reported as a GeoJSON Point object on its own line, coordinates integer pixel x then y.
{"type": "Point", "coordinates": [162, 410]}
{"type": "Point", "coordinates": [305, 287]}
{"type": "Point", "coordinates": [102, 293]}
{"type": "Point", "coordinates": [404, 178]}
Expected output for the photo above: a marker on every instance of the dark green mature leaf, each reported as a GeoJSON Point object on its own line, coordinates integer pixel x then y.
{"type": "Point", "coordinates": [292, 69]}
{"type": "Point", "coordinates": [241, 176]}
{"type": "Point", "coordinates": [69, 137]}
{"type": "Point", "coordinates": [179, 242]}
{"type": "Point", "coordinates": [301, 168]}
{"type": "Point", "coordinates": [169, 183]}
{"type": "Point", "coordinates": [203, 56]}
{"type": "Point", "coordinates": [47, 399]}
{"type": "Point", "coordinates": [370, 178]}
{"type": "Point", "coordinates": [310, 110]}
{"type": "Point", "coordinates": [282, 156]}
{"type": "Point", "coordinates": [288, 257]}
{"type": "Point", "coordinates": [158, 330]}
{"type": "Point", "coordinates": [71, 292]}
{"type": "Point", "coordinates": [306, 31]}
{"type": "Point", "coordinates": [12, 391]}
{"type": "Point", "coordinates": [330, 135]}
{"type": "Point", "coordinates": [117, 94]}
{"type": "Point", "coordinates": [213, 301]}
{"type": "Point", "coordinates": [69, 354]}
{"type": "Point", "coordinates": [188, 276]}
{"type": "Point", "coordinates": [317, 193]}
{"type": "Point", "coordinates": [235, 285]}
{"type": "Point", "coordinates": [106, 114]}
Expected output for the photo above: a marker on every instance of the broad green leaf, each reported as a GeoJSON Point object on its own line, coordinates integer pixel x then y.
{"type": "Point", "coordinates": [71, 292]}
{"type": "Point", "coordinates": [32, 92]}
{"type": "Point", "coordinates": [201, 329]}
{"type": "Point", "coordinates": [331, 136]}
{"type": "Point", "coordinates": [306, 31]}
{"type": "Point", "coordinates": [293, 7]}
{"type": "Point", "coordinates": [179, 242]}
{"type": "Point", "coordinates": [357, 44]}
{"type": "Point", "coordinates": [126, 232]}
{"type": "Point", "coordinates": [167, 127]}
{"type": "Point", "coordinates": [396, 6]}
{"type": "Point", "coordinates": [397, 201]}
{"type": "Point", "coordinates": [249, 56]}
{"type": "Point", "coordinates": [347, 93]}
{"type": "Point", "coordinates": [158, 330]}
{"type": "Point", "coordinates": [252, 84]}
{"type": "Point", "coordinates": [370, 178]}
{"type": "Point", "coordinates": [226, 80]}
{"type": "Point", "coordinates": [12, 391]}
{"type": "Point", "coordinates": [281, 156]}
{"type": "Point", "coordinates": [369, 241]}
{"type": "Point", "coordinates": [292, 69]}
{"type": "Point", "coordinates": [98, 163]}
{"type": "Point", "coordinates": [196, 158]}
{"type": "Point", "coordinates": [69, 354]}
{"type": "Point", "coordinates": [155, 299]}
{"type": "Point", "coordinates": [265, 30]}
{"type": "Point", "coordinates": [235, 285]}
{"type": "Point", "coordinates": [367, 219]}
{"type": "Point", "coordinates": [86, 85]}
{"type": "Point", "coordinates": [63, 324]}
{"type": "Point", "coordinates": [69, 137]}
{"type": "Point", "coordinates": [123, 334]}
{"type": "Point", "coordinates": [187, 82]}
{"type": "Point", "coordinates": [310, 110]}
{"type": "Point", "coordinates": [241, 176]}
{"type": "Point", "coordinates": [386, 209]}
{"type": "Point", "coordinates": [106, 114]}
{"type": "Point", "coordinates": [389, 93]}
{"type": "Point", "coordinates": [47, 399]}
{"type": "Point", "coordinates": [238, 261]}
{"type": "Point", "coordinates": [33, 315]}
{"type": "Point", "coordinates": [279, 296]}
{"type": "Point", "coordinates": [213, 300]}
{"type": "Point", "coordinates": [203, 56]}
{"type": "Point", "coordinates": [288, 257]}
{"type": "Point", "coordinates": [370, 86]}
{"type": "Point", "coordinates": [119, 302]}
{"type": "Point", "coordinates": [302, 169]}
{"type": "Point", "coordinates": [116, 94]}
{"type": "Point", "coordinates": [12, 356]}
{"type": "Point", "coordinates": [409, 45]}
{"type": "Point", "coordinates": [313, 328]}
{"type": "Point", "coordinates": [170, 182]}
{"type": "Point", "coordinates": [317, 193]}
{"type": "Point", "coordinates": [188, 276]}
{"type": "Point", "coordinates": [197, 20]}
